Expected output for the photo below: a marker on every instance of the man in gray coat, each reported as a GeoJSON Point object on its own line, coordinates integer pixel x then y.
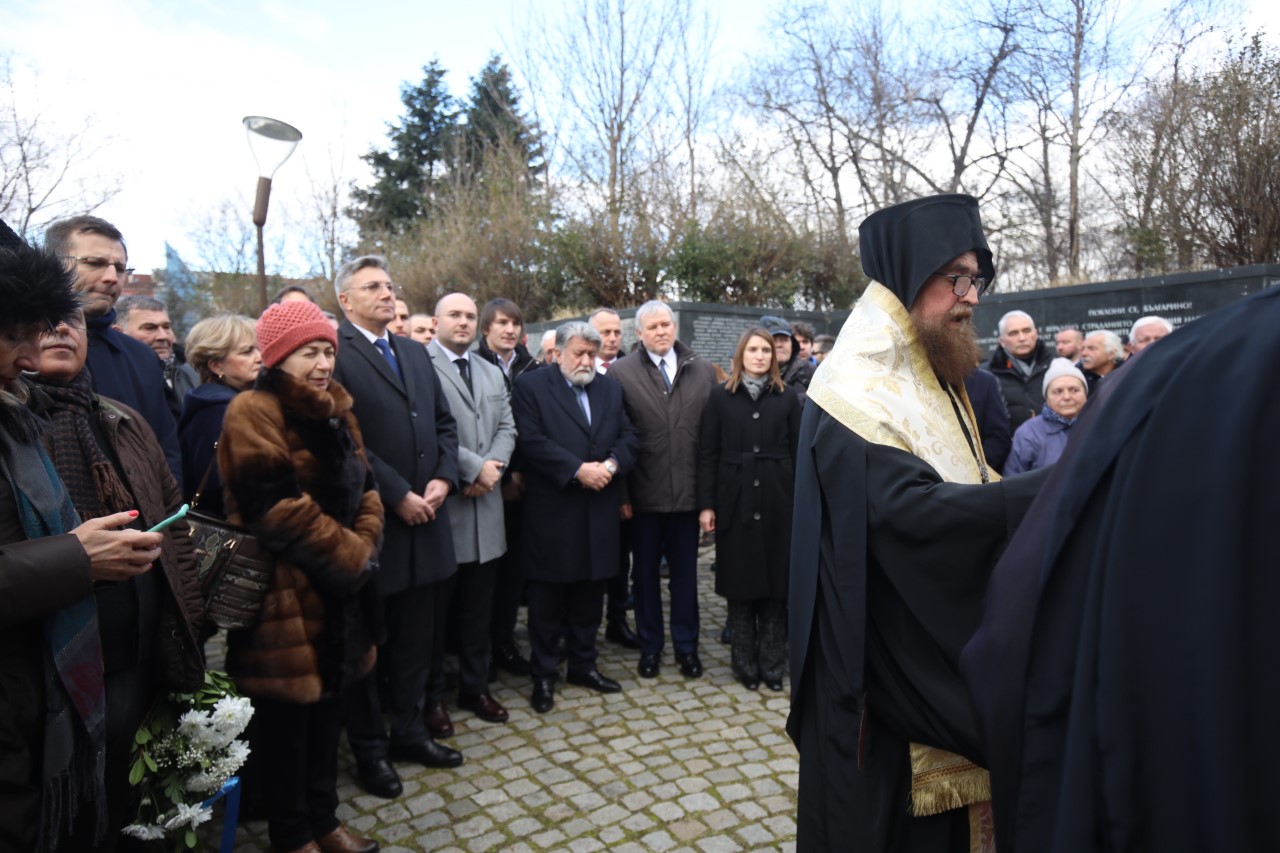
{"type": "Point", "coordinates": [664, 387]}
{"type": "Point", "coordinates": [481, 405]}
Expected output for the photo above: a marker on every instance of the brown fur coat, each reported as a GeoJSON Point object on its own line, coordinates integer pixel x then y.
{"type": "Point", "coordinates": [295, 473]}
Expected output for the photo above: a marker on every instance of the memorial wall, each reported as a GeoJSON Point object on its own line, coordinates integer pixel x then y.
{"type": "Point", "coordinates": [713, 330]}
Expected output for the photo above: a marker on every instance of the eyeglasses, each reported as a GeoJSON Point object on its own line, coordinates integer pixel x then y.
{"type": "Point", "coordinates": [375, 287]}
{"type": "Point", "coordinates": [100, 264]}
{"type": "Point", "coordinates": [960, 284]}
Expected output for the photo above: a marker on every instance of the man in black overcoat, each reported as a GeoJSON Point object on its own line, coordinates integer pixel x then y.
{"type": "Point", "coordinates": [412, 443]}
{"type": "Point", "coordinates": [576, 442]}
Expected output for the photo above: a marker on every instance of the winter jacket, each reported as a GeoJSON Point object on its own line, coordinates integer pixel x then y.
{"type": "Point", "coordinates": [1023, 395]}
{"type": "Point", "coordinates": [1037, 443]}
{"type": "Point", "coordinates": [198, 431]}
{"type": "Point", "coordinates": [665, 475]}
{"type": "Point", "coordinates": [295, 474]}
{"type": "Point", "coordinates": [521, 364]}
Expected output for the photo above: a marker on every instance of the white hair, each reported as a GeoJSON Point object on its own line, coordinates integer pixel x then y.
{"type": "Point", "coordinates": [1111, 342]}
{"type": "Point", "coordinates": [1144, 321]}
{"type": "Point", "coordinates": [653, 306]}
{"type": "Point", "coordinates": [576, 329]}
{"type": "Point", "coordinates": [1013, 315]}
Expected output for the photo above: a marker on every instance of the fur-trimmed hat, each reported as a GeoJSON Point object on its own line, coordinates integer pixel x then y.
{"type": "Point", "coordinates": [35, 286]}
{"type": "Point", "coordinates": [285, 326]}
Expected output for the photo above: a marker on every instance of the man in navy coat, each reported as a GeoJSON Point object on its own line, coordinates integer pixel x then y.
{"type": "Point", "coordinates": [120, 367]}
{"type": "Point", "coordinates": [411, 440]}
{"type": "Point", "coordinates": [576, 442]}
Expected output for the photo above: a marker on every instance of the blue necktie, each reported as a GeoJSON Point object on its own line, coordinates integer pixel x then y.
{"type": "Point", "coordinates": [385, 348]}
{"type": "Point", "coordinates": [666, 377]}
{"type": "Point", "coordinates": [582, 401]}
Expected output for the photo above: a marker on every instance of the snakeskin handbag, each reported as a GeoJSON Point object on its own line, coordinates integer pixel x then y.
{"type": "Point", "coordinates": [233, 566]}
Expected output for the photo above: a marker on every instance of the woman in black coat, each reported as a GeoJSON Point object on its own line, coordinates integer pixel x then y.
{"type": "Point", "coordinates": [746, 473]}
{"type": "Point", "coordinates": [224, 351]}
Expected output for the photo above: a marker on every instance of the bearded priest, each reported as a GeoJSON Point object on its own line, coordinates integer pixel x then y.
{"type": "Point", "coordinates": [898, 523]}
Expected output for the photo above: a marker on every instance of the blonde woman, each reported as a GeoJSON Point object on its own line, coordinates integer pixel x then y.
{"type": "Point", "coordinates": [224, 351]}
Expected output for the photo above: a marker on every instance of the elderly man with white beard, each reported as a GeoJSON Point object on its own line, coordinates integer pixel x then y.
{"type": "Point", "coordinates": [898, 523]}
{"type": "Point", "coordinates": [576, 442]}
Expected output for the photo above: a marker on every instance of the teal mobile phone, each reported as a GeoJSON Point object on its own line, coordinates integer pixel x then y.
{"type": "Point", "coordinates": [182, 510]}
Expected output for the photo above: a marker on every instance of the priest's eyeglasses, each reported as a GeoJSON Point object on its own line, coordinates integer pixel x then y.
{"type": "Point", "coordinates": [960, 284]}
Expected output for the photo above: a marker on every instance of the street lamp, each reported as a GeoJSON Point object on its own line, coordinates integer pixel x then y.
{"type": "Point", "coordinates": [271, 141]}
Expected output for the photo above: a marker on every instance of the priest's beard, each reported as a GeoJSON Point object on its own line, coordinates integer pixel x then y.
{"type": "Point", "coordinates": [949, 344]}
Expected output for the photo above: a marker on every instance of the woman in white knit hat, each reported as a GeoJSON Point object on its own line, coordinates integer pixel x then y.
{"type": "Point", "coordinates": [1040, 441]}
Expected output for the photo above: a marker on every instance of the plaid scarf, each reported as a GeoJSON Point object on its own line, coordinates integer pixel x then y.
{"type": "Point", "coordinates": [88, 473]}
{"type": "Point", "coordinates": [74, 749]}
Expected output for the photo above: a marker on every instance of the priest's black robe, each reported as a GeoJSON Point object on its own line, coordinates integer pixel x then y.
{"type": "Point", "coordinates": [1125, 671]}
{"type": "Point", "coordinates": [889, 567]}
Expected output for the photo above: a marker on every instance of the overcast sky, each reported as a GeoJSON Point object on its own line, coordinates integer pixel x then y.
{"type": "Point", "coordinates": [170, 82]}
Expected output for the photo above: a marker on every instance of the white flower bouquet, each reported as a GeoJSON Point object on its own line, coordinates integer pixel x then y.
{"type": "Point", "coordinates": [185, 751]}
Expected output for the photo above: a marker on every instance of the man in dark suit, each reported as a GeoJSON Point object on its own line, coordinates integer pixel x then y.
{"type": "Point", "coordinates": [120, 367]}
{"type": "Point", "coordinates": [575, 441]}
{"type": "Point", "coordinates": [412, 443]}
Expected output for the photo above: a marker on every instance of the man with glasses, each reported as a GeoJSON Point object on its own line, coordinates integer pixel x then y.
{"type": "Point", "coordinates": [898, 522]}
{"type": "Point", "coordinates": [411, 440]}
{"type": "Point", "coordinates": [122, 368]}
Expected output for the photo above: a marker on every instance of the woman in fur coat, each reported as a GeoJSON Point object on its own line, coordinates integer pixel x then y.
{"type": "Point", "coordinates": [295, 474]}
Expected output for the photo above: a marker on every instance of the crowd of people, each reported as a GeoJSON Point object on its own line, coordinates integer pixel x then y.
{"type": "Point", "coordinates": [419, 476]}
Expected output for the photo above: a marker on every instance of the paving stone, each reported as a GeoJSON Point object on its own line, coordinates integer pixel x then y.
{"type": "Point", "coordinates": [669, 765]}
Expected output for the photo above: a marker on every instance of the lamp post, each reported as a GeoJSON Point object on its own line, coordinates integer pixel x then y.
{"type": "Point", "coordinates": [271, 141]}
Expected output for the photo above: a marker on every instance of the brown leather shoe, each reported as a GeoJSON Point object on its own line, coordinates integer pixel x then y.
{"type": "Point", "coordinates": [437, 719]}
{"type": "Point", "coordinates": [483, 706]}
{"type": "Point", "coordinates": [342, 841]}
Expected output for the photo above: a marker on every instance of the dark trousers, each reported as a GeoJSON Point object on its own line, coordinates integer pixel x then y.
{"type": "Point", "coordinates": [572, 609]}
{"type": "Point", "coordinates": [415, 620]}
{"type": "Point", "coordinates": [619, 586]}
{"type": "Point", "coordinates": [675, 535]}
{"type": "Point", "coordinates": [508, 587]}
{"type": "Point", "coordinates": [469, 603]}
{"type": "Point", "coordinates": [129, 696]}
{"type": "Point", "coordinates": [295, 750]}
{"type": "Point", "coordinates": [759, 645]}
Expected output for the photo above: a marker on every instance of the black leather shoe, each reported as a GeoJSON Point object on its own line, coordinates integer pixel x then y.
{"type": "Point", "coordinates": [649, 665]}
{"type": "Point", "coordinates": [749, 683]}
{"type": "Point", "coordinates": [621, 633]}
{"type": "Point", "coordinates": [544, 695]}
{"type": "Point", "coordinates": [379, 778]}
{"type": "Point", "coordinates": [427, 752]}
{"type": "Point", "coordinates": [483, 706]}
{"type": "Point", "coordinates": [436, 716]}
{"type": "Point", "coordinates": [690, 665]}
{"type": "Point", "coordinates": [507, 657]}
{"type": "Point", "coordinates": [774, 684]}
{"type": "Point", "coordinates": [726, 636]}
{"type": "Point", "coordinates": [593, 680]}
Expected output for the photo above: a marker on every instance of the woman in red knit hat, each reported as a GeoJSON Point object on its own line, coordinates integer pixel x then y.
{"type": "Point", "coordinates": [295, 473]}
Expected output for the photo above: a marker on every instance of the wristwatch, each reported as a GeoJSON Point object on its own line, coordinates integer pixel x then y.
{"type": "Point", "coordinates": [611, 467]}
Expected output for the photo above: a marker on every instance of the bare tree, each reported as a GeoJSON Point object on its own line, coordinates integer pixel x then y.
{"type": "Point", "coordinates": [327, 231]}
{"type": "Point", "coordinates": [45, 174]}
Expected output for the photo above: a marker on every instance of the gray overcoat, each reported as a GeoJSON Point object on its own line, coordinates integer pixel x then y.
{"type": "Point", "coordinates": [486, 430]}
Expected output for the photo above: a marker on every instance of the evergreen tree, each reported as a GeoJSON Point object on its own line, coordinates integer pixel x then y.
{"type": "Point", "coordinates": [407, 175]}
{"type": "Point", "coordinates": [494, 121]}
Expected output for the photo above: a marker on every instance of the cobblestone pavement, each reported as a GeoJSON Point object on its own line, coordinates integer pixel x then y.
{"type": "Point", "coordinates": [670, 764]}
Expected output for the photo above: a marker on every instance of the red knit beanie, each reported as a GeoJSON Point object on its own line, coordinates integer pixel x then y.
{"type": "Point", "coordinates": [284, 327]}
